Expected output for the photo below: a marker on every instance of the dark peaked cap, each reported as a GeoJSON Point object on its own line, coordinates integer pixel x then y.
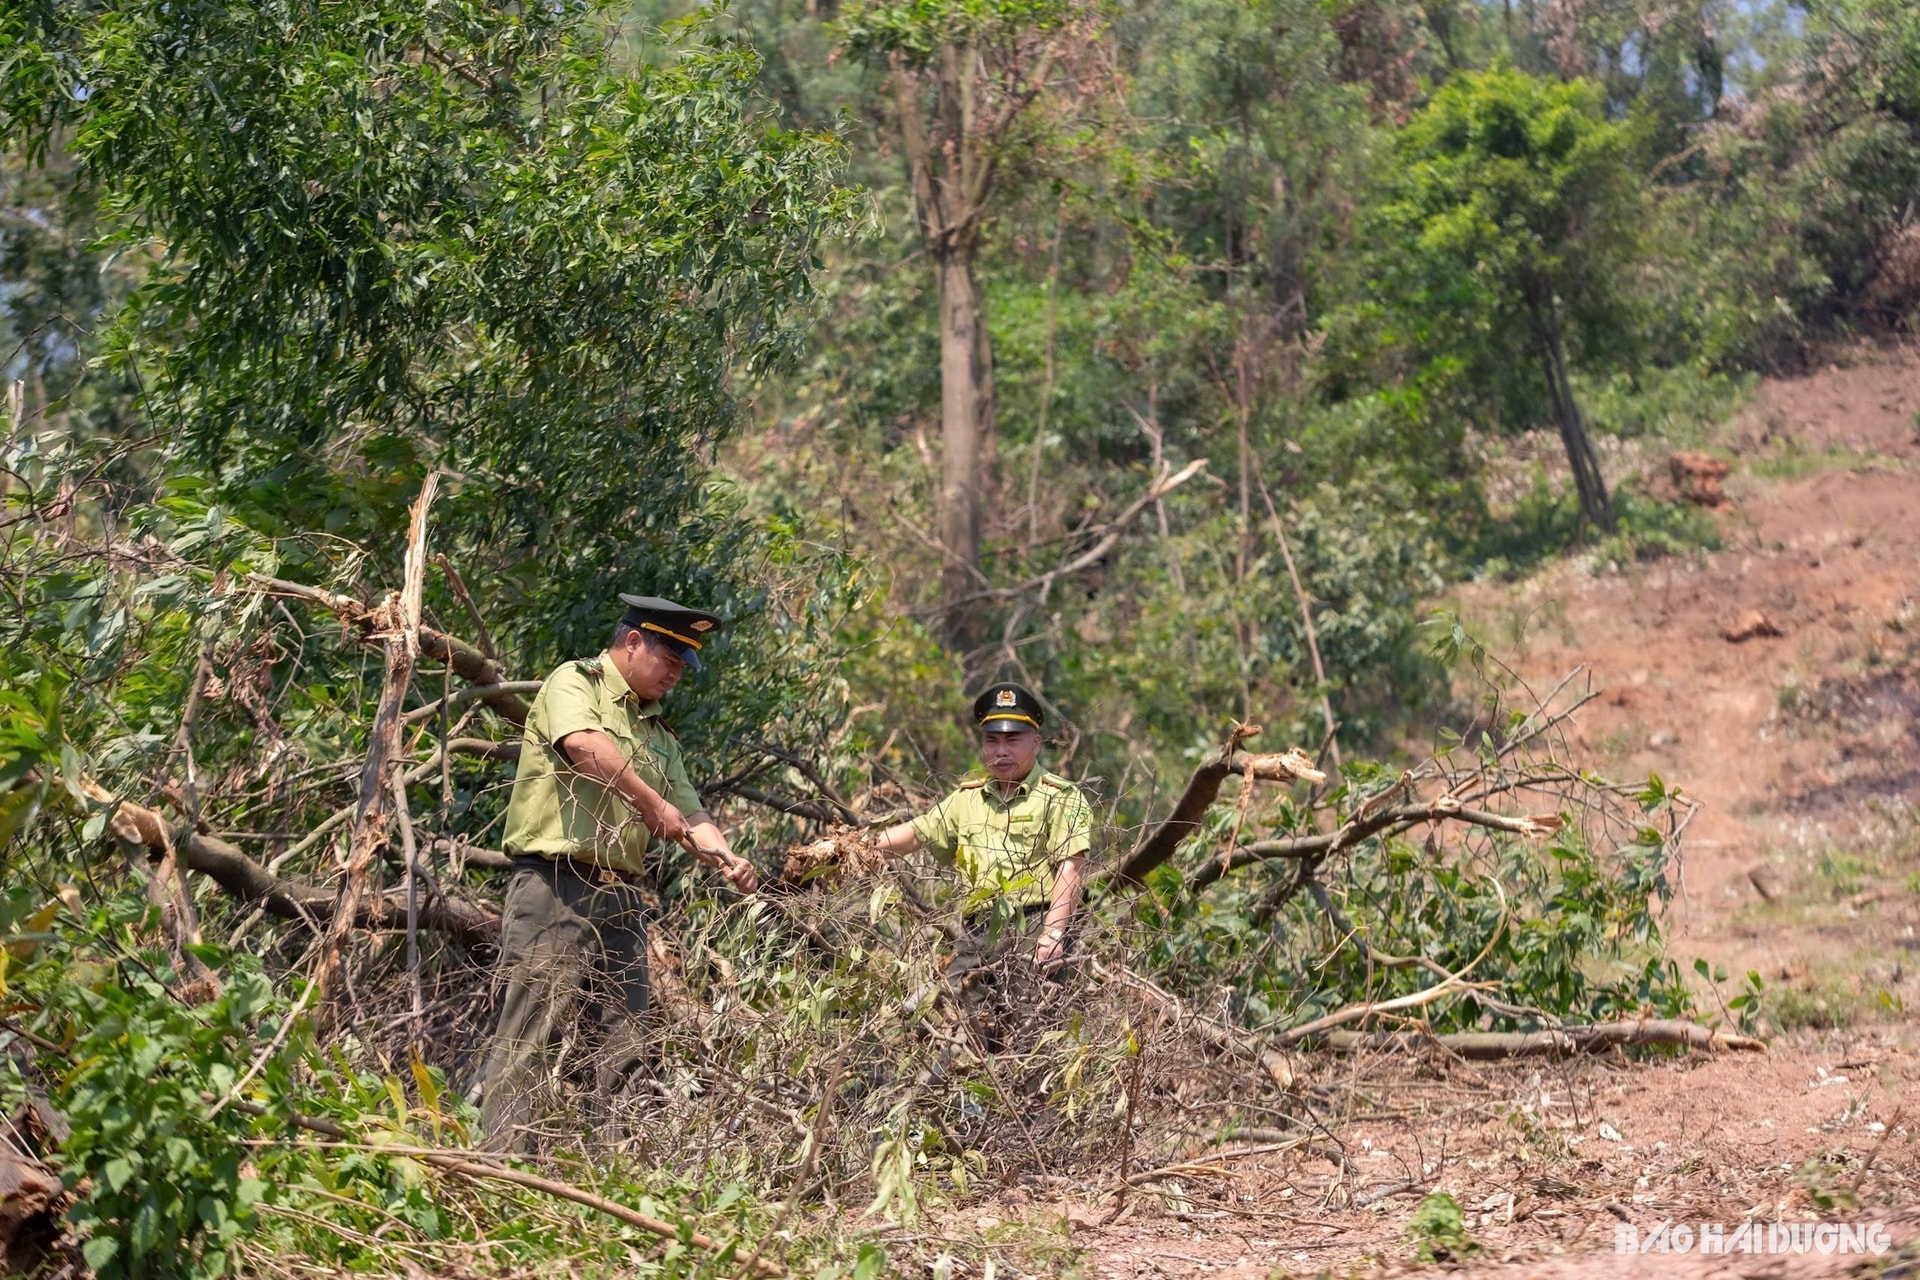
{"type": "Point", "coordinates": [1008, 702]}
{"type": "Point", "coordinates": [685, 630]}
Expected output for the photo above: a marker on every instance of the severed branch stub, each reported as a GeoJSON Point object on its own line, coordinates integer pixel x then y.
{"type": "Point", "coordinates": [1202, 789]}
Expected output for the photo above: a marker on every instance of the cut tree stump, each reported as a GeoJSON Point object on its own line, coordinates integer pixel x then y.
{"type": "Point", "coordinates": [1697, 476]}
{"type": "Point", "coordinates": [31, 1199]}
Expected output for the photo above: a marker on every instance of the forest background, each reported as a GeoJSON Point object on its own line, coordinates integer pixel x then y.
{"type": "Point", "coordinates": [1165, 357]}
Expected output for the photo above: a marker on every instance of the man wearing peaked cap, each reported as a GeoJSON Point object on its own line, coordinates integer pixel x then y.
{"type": "Point", "coordinates": [1018, 836]}
{"type": "Point", "coordinates": [682, 629]}
{"type": "Point", "coordinates": [601, 779]}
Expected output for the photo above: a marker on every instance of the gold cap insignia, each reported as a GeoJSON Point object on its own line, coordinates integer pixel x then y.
{"type": "Point", "coordinates": [701, 624]}
{"type": "Point", "coordinates": [1004, 698]}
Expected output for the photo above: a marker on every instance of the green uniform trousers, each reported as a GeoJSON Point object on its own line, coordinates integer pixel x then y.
{"type": "Point", "coordinates": [573, 954]}
{"type": "Point", "coordinates": [990, 974]}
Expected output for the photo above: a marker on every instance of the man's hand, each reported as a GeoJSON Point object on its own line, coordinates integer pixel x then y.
{"type": "Point", "coordinates": [739, 873]}
{"type": "Point", "coordinates": [665, 821]}
{"type": "Point", "coordinates": [707, 843]}
{"type": "Point", "coordinates": [1049, 953]}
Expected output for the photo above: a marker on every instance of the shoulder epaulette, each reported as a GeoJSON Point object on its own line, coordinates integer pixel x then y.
{"type": "Point", "coordinates": [594, 666]}
{"type": "Point", "coordinates": [972, 784]}
{"type": "Point", "coordinates": [1055, 781]}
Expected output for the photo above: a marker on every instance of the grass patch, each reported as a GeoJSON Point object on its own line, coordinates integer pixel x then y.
{"type": "Point", "coordinates": [1682, 408]}
{"type": "Point", "coordinates": [1650, 530]}
{"type": "Point", "coordinates": [1792, 460]}
{"type": "Point", "coordinates": [1825, 1004]}
{"type": "Point", "coordinates": [1545, 523]}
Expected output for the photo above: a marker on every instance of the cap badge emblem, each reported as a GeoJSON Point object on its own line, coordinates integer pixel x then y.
{"type": "Point", "coordinates": [701, 624]}
{"type": "Point", "coordinates": [1004, 698]}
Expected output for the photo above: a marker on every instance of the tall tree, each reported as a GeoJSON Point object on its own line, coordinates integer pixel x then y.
{"type": "Point", "coordinates": [963, 78]}
{"type": "Point", "coordinates": [1511, 213]}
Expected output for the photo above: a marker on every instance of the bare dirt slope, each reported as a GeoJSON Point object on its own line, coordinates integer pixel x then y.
{"type": "Point", "coordinates": [1802, 744]}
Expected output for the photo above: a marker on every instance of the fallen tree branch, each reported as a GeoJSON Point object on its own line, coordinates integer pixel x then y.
{"type": "Point", "coordinates": [1202, 789]}
{"type": "Point", "coordinates": [467, 662]}
{"type": "Point", "coordinates": [1216, 1035]}
{"type": "Point", "coordinates": [247, 880]}
{"type": "Point", "coordinates": [288, 899]}
{"type": "Point", "coordinates": [1554, 1042]}
{"type": "Point", "coordinates": [1205, 1168]}
{"type": "Point", "coordinates": [1382, 960]}
{"type": "Point", "coordinates": [1390, 820]}
{"type": "Point", "coordinates": [1355, 1012]}
{"type": "Point", "coordinates": [465, 1166]}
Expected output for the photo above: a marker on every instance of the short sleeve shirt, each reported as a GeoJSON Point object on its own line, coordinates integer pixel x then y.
{"type": "Point", "coordinates": [555, 811]}
{"type": "Point", "coordinates": [1009, 845]}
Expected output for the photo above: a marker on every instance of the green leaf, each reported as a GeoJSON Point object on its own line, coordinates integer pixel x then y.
{"type": "Point", "coordinates": [99, 1251]}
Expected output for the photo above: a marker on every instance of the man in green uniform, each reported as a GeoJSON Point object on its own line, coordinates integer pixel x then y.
{"type": "Point", "coordinates": [601, 778]}
{"type": "Point", "coordinates": [1018, 839]}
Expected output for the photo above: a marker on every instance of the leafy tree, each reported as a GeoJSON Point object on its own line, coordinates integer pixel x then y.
{"type": "Point", "coordinates": [456, 236]}
{"type": "Point", "coordinates": [1507, 221]}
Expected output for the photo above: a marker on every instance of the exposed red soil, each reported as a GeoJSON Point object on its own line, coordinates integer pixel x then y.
{"type": "Point", "coordinates": [1800, 747]}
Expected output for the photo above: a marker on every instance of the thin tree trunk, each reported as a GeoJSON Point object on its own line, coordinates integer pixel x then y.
{"type": "Point", "coordinates": [1046, 386]}
{"type": "Point", "coordinates": [1588, 482]}
{"type": "Point", "coordinates": [962, 419]}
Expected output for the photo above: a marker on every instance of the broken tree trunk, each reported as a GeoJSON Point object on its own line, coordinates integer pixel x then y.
{"type": "Point", "coordinates": [402, 639]}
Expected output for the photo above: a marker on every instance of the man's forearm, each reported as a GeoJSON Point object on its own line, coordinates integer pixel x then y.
{"type": "Point", "coordinates": [1068, 882]}
{"type": "Point", "coordinates": [897, 839]}
{"type": "Point", "coordinates": [595, 757]}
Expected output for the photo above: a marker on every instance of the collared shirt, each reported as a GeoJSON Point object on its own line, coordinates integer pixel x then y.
{"type": "Point", "coordinates": [556, 811]}
{"type": "Point", "coordinates": [1009, 845]}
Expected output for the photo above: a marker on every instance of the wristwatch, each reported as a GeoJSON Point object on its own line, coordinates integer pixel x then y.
{"type": "Point", "coordinates": [1055, 934]}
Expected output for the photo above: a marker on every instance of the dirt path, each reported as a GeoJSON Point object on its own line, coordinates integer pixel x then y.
{"type": "Point", "coordinates": [1804, 746]}
{"type": "Point", "coordinates": [1804, 866]}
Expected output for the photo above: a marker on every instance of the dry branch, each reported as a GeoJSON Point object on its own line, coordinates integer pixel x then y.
{"type": "Point", "coordinates": [400, 632]}
{"type": "Point", "coordinates": [466, 1166]}
{"type": "Point", "coordinates": [140, 828]}
{"type": "Point", "coordinates": [1555, 1043]}
{"type": "Point", "coordinates": [1202, 789]}
{"type": "Point", "coordinates": [247, 880]}
{"type": "Point", "coordinates": [467, 662]}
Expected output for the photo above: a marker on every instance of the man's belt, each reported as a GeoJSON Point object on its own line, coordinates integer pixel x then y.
{"type": "Point", "coordinates": [591, 872]}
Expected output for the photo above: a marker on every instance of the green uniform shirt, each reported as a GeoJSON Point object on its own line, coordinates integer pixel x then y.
{"type": "Point", "coordinates": [554, 810]}
{"type": "Point", "coordinates": [1009, 846]}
